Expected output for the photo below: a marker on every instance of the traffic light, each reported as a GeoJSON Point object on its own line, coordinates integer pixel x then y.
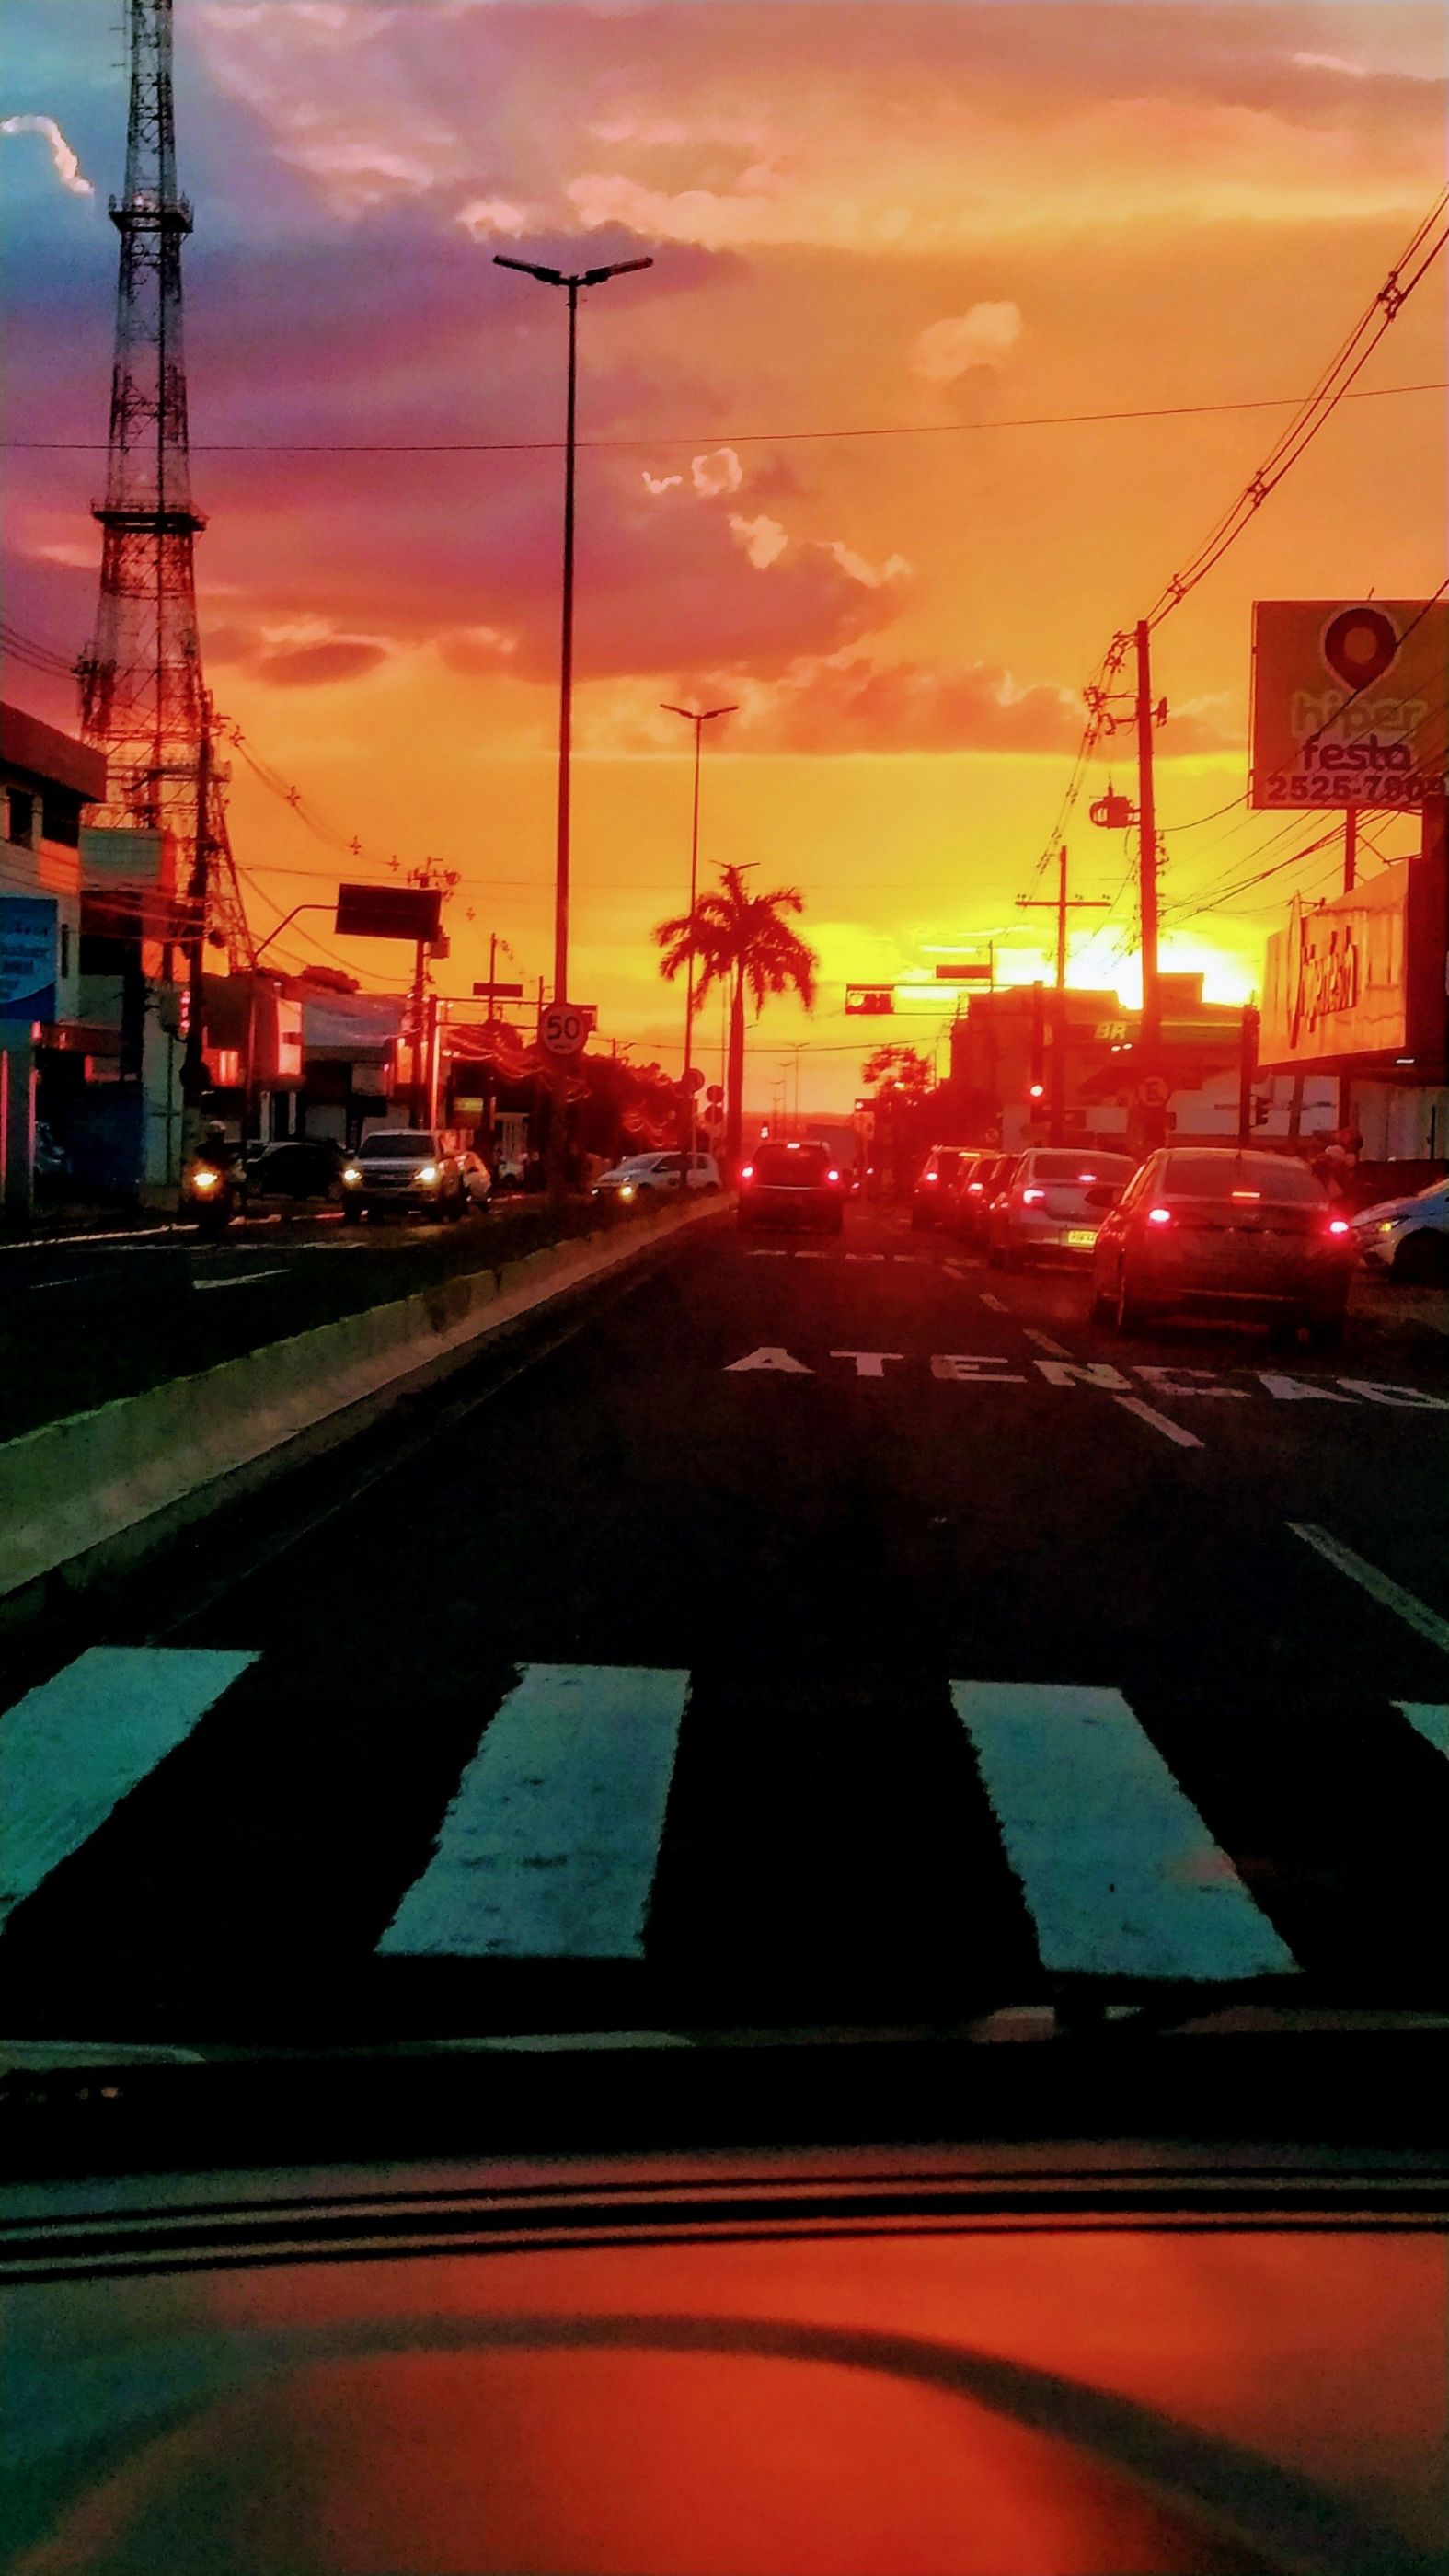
{"type": "Point", "coordinates": [1036, 1091]}
{"type": "Point", "coordinates": [1261, 1105]}
{"type": "Point", "coordinates": [869, 1001]}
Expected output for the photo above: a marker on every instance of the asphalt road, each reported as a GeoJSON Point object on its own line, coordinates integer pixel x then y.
{"type": "Point", "coordinates": [807, 1633]}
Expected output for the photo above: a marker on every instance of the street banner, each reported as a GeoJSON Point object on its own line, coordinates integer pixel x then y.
{"type": "Point", "coordinates": [1348, 702]}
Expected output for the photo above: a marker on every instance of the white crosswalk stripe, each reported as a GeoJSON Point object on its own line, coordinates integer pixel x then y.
{"type": "Point", "coordinates": [1428, 1718]}
{"type": "Point", "coordinates": [548, 1850]}
{"type": "Point", "coordinates": [1120, 1874]}
{"type": "Point", "coordinates": [73, 1747]}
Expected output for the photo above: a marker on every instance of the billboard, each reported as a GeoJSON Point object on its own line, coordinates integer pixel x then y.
{"type": "Point", "coordinates": [1361, 977]}
{"type": "Point", "coordinates": [1348, 702]}
{"type": "Point", "coordinates": [28, 934]}
{"type": "Point", "coordinates": [127, 855]}
{"type": "Point", "coordinates": [388, 912]}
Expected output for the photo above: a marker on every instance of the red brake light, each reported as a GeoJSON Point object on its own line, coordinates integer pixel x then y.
{"type": "Point", "coordinates": [1159, 1216]}
{"type": "Point", "coordinates": [930, 1176]}
{"type": "Point", "coordinates": [974, 1186]}
{"type": "Point", "coordinates": [747, 1171]}
{"type": "Point", "coordinates": [1338, 1225]}
{"type": "Point", "coordinates": [832, 1176]}
{"type": "Point", "coordinates": [1029, 1198]}
{"type": "Point", "coordinates": [1247, 1194]}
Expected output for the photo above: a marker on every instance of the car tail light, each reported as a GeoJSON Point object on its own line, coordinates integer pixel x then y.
{"type": "Point", "coordinates": [1029, 1198]}
{"type": "Point", "coordinates": [1247, 1194]}
{"type": "Point", "coordinates": [1338, 1225]}
{"type": "Point", "coordinates": [975, 1189]}
{"type": "Point", "coordinates": [747, 1171]}
{"type": "Point", "coordinates": [930, 1176]}
{"type": "Point", "coordinates": [832, 1176]}
{"type": "Point", "coordinates": [1159, 1216]}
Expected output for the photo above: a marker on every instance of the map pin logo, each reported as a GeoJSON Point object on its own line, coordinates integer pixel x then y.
{"type": "Point", "coordinates": [1358, 646]}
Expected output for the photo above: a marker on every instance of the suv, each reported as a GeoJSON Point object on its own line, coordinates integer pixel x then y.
{"type": "Point", "coordinates": [418, 1170]}
{"type": "Point", "coordinates": [1054, 1200]}
{"type": "Point", "coordinates": [793, 1183]}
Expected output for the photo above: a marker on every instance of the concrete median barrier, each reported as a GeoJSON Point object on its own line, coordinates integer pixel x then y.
{"type": "Point", "coordinates": [70, 1486]}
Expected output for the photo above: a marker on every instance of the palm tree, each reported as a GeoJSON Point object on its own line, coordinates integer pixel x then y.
{"type": "Point", "coordinates": [744, 941]}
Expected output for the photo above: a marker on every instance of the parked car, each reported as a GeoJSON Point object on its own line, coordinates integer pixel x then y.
{"type": "Point", "coordinates": [1052, 1201]}
{"type": "Point", "coordinates": [977, 1187]}
{"type": "Point", "coordinates": [1201, 1230]}
{"type": "Point", "coordinates": [416, 1170]}
{"type": "Point", "coordinates": [297, 1168]}
{"type": "Point", "coordinates": [935, 1186]}
{"type": "Point", "coordinates": [793, 1183]}
{"type": "Point", "coordinates": [1409, 1237]}
{"type": "Point", "coordinates": [643, 1175]}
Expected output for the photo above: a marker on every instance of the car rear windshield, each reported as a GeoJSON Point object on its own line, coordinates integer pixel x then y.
{"type": "Point", "coordinates": [1220, 1176]}
{"type": "Point", "coordinates": [397, 1148]}
{"type": "Point", "coordinates": [1080, 1167]}
{"type": "Point", "coordinates": [798, 1165]}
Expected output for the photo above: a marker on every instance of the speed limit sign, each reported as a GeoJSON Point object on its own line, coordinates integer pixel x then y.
{"type": "Point", "coordinates": [562, 1027]}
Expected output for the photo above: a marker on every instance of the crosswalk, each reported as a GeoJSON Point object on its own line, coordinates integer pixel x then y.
{"type": "Point", "coordinates": [549, 1840]}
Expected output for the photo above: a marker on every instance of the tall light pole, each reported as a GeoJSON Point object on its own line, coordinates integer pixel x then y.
{"type": "Point", "coordinates": [571, 285]}
{"type": "Point", "coordinates": [699, 717]}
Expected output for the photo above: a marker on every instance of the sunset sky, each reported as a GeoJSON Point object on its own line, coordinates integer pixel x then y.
{"type": "Point", "coordinates": [937, 220]}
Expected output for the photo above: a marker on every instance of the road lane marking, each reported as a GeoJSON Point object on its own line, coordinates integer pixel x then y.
{"type": "Point", "coordinates": [1160, 1422]}
{"type": "Point", "coordinates": [1119, 1872]}
{"type": "Point", "coordinates": [770, 1355]}
{"type": "Point", "coordinates": [245, 1279]}
{"type": "Point", "coordinates": [768, 1252]}
{"type": "Point", "coordinates": [1178, 1380]}
{"type": "Point", "coordinates": [74, 1746]}
{"type": "Point", "coordinates": [548, 1850]}
{"type": "Point", "coordinates": [72, 1279]}
{"type": "Point", "coordinates": [965, 1368]}
{"type": "Point", "coordinates": [868, 1363]}
{"type": "Point", "coordinates": [1382, 1588]}
{"type": "Point", "coordinates": [1044, 1342]}
{"type": "Point", "coordinates": [1298, 1390]}
{"type": "Point", "coordinates": [1429, 1719]}
{"type": "Point", "coordinates": [995, 1303]}
{"type": "Point", "coordinates": [1084, 1373]}
{"type": "Point", "coordinates": [1411, 1399]}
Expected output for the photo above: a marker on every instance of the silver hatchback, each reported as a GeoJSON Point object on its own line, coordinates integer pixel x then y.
{"type": "Point", "coordinates": [1053, 1203]}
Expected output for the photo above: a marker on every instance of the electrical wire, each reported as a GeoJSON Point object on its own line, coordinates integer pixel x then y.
{"type": "Point", "coordinates": [712, 437]}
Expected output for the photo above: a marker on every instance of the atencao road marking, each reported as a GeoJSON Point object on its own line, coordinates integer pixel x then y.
{"type": "Point", "coordinates": [1160, 1422]}
{"type": "Point", "coordinates": [1382, 1588]}
{"type": "Point", "coordinates": [1428, 1718]}
{"type": "Point", "coordinates": [1044, 1342]}
{"type": "Point", "coordinates": [549, 1847]}
{"type": "Point", "coordinates": [74, 1746]}
{"type": "Point", "coordinates": [1119, 1872]}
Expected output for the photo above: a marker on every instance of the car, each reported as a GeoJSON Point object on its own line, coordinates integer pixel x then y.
{"type": "Point", "coordinates": [1052, 1200]}
{"type": "Point", "coordinates": [793, 1183]}
{"type": "Point", "coordinates": [417, 1170]}
{"type": "Point", "coordinates": [936, 1185]}
{"type": "Point", "coordinates": [293, 1169]}
{"type": "Point", "coordinates": [1202, 1229]}
{"type": "Point", "coordinates": [477, 1181]}
{"type": "Point", "coordinates": [974, 1192]}
{"type": "Point", "coordinates": [643, 1175]}
{"type": "Point", "coordinates": [1409, 1237]}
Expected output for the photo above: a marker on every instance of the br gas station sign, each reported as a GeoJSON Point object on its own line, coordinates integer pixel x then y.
{"type": "Point", "coordinates": [1348, 702]}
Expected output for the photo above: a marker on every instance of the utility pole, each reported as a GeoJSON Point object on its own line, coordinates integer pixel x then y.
{"type": "Point", "coordinates": [193, 1060]}
{"type": "Point", "coordinates": [1061, 904]}
{"type": "Point", "coordinates": [1149, 1048]}
{"type": "Point", "coordinates": [418, 1084]}
{"type": "Point", "coordinates": [699, 717]}
{"type": "Point", "coordinates": [1350, 879]}
{"type": "Point", "coordinates": [1247, 1067]}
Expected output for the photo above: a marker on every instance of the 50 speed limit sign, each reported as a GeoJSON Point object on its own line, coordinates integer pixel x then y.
{"type": "Point", "coordinates": [563, 1027]}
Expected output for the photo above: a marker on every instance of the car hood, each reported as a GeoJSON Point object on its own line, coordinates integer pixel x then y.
{"type": "Point", "coordinates": [1385, 1208]}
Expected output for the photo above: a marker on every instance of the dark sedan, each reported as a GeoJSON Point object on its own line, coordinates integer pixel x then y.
{"type": "Point", "coordinates": [1221, 1232]}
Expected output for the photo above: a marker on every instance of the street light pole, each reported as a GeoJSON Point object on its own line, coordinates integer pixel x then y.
{"type": "Point", "coordinates": [699, 718]}
{"type": "Point", "coordinates": [571, 285]}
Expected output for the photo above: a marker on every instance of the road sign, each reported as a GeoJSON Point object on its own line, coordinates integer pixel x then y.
{"type": "Point", "coordinates": [979, 974]}
{"type": "Point", "coordinates": [714, 1093]}
{"type": "Point", "coordinates": [388, 912]}
{"type": "Point", "coordinates": [1153, 1092]}
{"type": "Point", "coordinates": [869, 1001]}
{"type": "Point", "coordinates": [693, 1080]}
{"type": "Point", "coordinates": [498, 992]}
{"type": "Point", "coordinates": [563, 1027]}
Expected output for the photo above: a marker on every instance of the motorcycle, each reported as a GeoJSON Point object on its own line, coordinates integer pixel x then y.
{"type": "Point", "coordinates": [212, 1191]}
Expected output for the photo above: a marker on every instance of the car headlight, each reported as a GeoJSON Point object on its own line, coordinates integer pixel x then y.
{"type": "Point", "coordinates": [626, 1189]}
{"type": "Point", "coordinates": [428, 1174]}
{"type": "Point", "coordinates": [351, 1177]}
{"type": "Point", "coordinates": [1387, 1224]}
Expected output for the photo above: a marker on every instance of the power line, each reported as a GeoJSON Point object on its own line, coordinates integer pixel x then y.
{"type": "Point", "coordinates": [714, 437]}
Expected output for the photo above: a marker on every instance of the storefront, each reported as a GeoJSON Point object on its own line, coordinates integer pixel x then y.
{"type": "Point", "coordinates": [1357, 987]}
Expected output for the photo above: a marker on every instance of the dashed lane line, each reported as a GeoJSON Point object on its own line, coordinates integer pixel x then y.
{"type": "Point", "coordinates": [997, 1305]}
{"type": "Point", "coordinates": [1119, 1871]}
{"type": "Point", "coordinates": [1380, 1587]}
{"type": "Point", "coordinates": [244, 1279]}
{"type": "Point", "coordinates": [1045, 1343]}
{"type": "Point", "coordinates": [73, 1747]}
{"type": "Point", "coordinates": [1160, 1421]}
{"type": "Point", "coordinates": [548, 1851]}
{"type": "Point", "coordinates": [1429, 1719]}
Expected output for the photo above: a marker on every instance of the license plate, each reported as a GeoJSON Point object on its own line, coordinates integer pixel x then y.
{"type": "Point", "coordinates": [1080, 1238]}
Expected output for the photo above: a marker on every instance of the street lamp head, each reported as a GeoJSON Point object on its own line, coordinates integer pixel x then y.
{"type": "Point", "coordinates": [616, 268]}
{"type": "Point", "coordinates": [710, 713]}
{"type": "Point", "coordinates": [528, 268]}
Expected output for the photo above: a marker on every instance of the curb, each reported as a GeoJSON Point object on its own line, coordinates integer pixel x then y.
{"type": "Point", "coordinates": [68, 1487]}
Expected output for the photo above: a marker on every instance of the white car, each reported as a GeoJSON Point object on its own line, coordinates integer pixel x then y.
{"type": "Point", "coordinates": [642, 1175]}
{"type": "Point", "coordinates": [1409, 1237]}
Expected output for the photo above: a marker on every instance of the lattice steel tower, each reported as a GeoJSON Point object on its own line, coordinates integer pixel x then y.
{"type": "Point", "coordinates": [143, 700]}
